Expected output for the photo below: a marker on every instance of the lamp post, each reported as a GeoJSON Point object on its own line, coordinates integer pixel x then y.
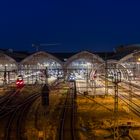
{"type": "Point", "coordinates": [5, 75]}
{"type": "Point", "coordinates": [116, 78]}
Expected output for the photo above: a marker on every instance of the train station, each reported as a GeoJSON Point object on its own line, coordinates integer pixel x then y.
{"type": "Point", "coordinates": [76, 66]}
{"type": "Point", "coordinates": [70, 70]}
{"type": "Point", "coordinates": [70, 96]}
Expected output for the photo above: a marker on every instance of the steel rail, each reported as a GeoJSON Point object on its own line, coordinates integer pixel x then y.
{"type": "Point", "coordinates": [67, 123]}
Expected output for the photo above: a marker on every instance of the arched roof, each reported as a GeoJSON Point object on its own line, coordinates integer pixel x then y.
{"type": "Point", "coordinates": [110, 61]}
{"type": "Point", "coordinates": [5, 59]}
{"type": "Point", "coordinates": [129, 56]}
{"type": "Point", "coordinates": [126, 58]}
{"type": "Point", "coordinates": [84, 55]}
{"type": "Point", "coordinates": [113, 65]}
{"type": "Point", "coordinates": [33, 58]}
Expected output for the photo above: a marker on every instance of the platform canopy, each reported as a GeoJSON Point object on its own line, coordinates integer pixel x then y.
{"type": "Point", "coordinates": [81, 64]}
{"type": "Point", "coordinates": [83, 59]}
{"type": "Point", "coordinates": [7, 62]}
{"type": "Point", "coordinates": [132, 63]}
{"type": "Point", "coordinates": [41, 60]}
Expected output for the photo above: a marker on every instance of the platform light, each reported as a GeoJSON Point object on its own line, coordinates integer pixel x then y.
{"type": "Point", "coordinates": [139, 59]}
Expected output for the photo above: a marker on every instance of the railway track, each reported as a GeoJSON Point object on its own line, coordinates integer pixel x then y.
{"type": "Point", "coordinates": [135, 108]}
{"type": "Point", "coordinates": [6, 100]}
{"type": "Point", "coordinates": [14, 100]}
{"type": "Point", "coordinates": [11, 108]}
{"type": "Point", "coordinates": [132, 105]}
{"type": "Point", "coordinates": [8, 96]}
{"type": "Point", "coordinates": [67, 120]}
{"type": "Point", "coordinates": [16, 119]}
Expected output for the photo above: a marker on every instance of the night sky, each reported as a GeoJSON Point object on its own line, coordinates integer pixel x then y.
{"type": "Point", "coordinates": [75, 25]}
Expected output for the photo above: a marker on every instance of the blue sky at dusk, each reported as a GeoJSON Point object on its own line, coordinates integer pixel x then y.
{"type": "Point", "coordinates": [95, 25]}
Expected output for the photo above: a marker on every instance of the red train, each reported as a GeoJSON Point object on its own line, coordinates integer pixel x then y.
{"type": "Point", "coordinates": [20, 82]}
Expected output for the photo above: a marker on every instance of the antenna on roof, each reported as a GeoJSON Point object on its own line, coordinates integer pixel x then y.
{"type": "Point", "coordinates": [37, 46]}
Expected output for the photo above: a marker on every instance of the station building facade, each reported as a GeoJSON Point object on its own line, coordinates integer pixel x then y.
{"type": "Point", "coordinates": [82, 65]}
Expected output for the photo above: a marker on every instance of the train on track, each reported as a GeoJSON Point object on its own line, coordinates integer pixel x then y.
{"type": "Point", "coordinates": [20, 82]}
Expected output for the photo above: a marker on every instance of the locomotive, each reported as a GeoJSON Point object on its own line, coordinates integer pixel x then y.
{"type": "Point", "coordinates": [19, 81]}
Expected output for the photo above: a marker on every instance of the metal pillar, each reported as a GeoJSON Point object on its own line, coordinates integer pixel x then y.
{"type": "Point", "coordinates": [36, 81]}
{"type": "Point", "coordinates": [116, 79]}
{"type": "Point", "coordinates": [32, 75]}
{"type": "Point", "coordinates": [46, 74]}
{"type": "Point", "coordinates": [8, 77]}
{"type": "Point", "coordinates": [57, 73]}
{"type": "Point", "coordinates": [75, 91]}
{"type": "Point", "coordinates": [87, 82]}
{"type": "Point", "coordinates": [28, 74]}
{"type": "Point", "coordinates": [5, 76]}
{"type": "Point", "coordinates": [116, 131]}
{"type": "Point", "coordinates": [94, 87]}
{"type": "Point", "coordinates": [106, 79]}
{"type": "Point", "coordinates": [134, 72]}
{"type": "Point", "coordinates": [130, 94]}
